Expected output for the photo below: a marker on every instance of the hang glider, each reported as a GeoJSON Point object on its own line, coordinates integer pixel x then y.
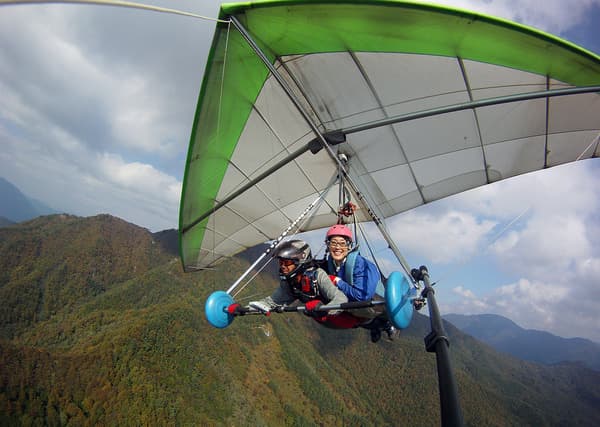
{"type": "Point", "coordinates": [425, 101]}
{"type": "Point", "coordinates": [408, 103]}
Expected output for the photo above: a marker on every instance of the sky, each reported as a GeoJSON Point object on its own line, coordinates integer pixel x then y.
{"type": "Point", "coordinates": [96, 108]}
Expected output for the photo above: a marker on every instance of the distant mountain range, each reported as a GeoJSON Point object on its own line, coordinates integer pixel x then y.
{"type": "Point", "coordinates": [100, 326]}
{"type": "Point", "coordinates": [506, 336]}
{"type": "Point", "coordinates": [5, 222]}
{"type": "Point", "coordinates": [16, 207]}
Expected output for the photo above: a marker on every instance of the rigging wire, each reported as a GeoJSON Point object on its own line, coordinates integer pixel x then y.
{"type": "Point", "coordinates": [221, 89]}
{"type": "Point", "coordinates": [509, 225]}
{"type": "Point", "coordinates": [300, 220]}
{"type": "Point", "coordinates": [321, 139]}
{"type": "Point", "coordinates": [256, 273]}
{"type": "Point", "coordinates": [298, 226]}
{"type": "Point", "coordinates": [116, 3]}
{"type": "Point", "coordinates": [369, 247]}
{"type": "Point", "coordinates": [596, 141]}
{"type": "Point", "coordinates": [213, 216]}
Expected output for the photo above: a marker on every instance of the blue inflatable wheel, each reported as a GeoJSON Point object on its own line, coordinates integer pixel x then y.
{"type": "Point", "coordinates": [216, 309]}
{"type": "Point", "coordinates": [398, 304]}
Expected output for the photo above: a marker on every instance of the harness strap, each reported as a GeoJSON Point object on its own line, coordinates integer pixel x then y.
{"type": "Point", "coordinates": [349, 267]}
{"type": "Point", "coordinates": [308, 286]}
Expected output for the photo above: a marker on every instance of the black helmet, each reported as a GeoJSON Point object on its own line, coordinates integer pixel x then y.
{"type": "Point", "coordinates": [297, 251]}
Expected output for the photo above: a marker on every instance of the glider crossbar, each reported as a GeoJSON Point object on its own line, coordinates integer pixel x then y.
{"type": "Point", "coordinates": [354, 305]}
{"type": "Point", "coordinates": [321, 138]}
{"type": "Point", "coordinates": [470, 105]}
{"type": "Point", "coordinates": [246, 187]}
{"type": "Point", "coordinates": [313, 146]}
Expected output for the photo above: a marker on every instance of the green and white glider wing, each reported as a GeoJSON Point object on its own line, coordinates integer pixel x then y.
{"type": "Point", "coordinates": [430, 101]}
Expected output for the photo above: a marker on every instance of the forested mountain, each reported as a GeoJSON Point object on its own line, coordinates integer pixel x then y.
{"type": "Point", "coordinates": [538, 346]}
{"type": "Point", "coordinates": [100, 326]}
{"type": "Point", "coordinates": [52, 264]}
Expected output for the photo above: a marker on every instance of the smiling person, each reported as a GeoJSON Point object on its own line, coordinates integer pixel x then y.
{"type": "Point", "coordinates": [354, 275]}
{"type": "Point", "coordinates": [357, 277]}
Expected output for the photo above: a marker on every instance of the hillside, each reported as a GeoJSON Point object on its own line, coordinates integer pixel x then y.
{"type": "Point", "coordinates": [55, 263]}
{"type": "Point", "coordinates": [132, 347]}
{"type": "Point", "coordinates": [537, 346]}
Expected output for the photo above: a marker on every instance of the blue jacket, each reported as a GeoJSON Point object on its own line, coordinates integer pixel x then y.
{"type": "Point", "coordinates": [362, 283]}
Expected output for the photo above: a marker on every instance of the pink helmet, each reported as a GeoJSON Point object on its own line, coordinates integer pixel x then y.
{"type": "Point", "coordinates": [339, 230]}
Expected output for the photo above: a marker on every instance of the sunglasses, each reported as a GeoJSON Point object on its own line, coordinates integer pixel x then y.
{"type": "Point", "coordinates": [286, 262]}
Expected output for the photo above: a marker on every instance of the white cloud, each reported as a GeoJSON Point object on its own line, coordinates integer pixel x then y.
{"type": "Point", "coordinates": [554, 16]}
{"type": "Point", "coordinates": [558, 190]}
{"type": "Point", "coordinates": [548, 306]}
{"type": "Point", "coordinates": [87, 182]}
{"type": "Point", "coordinates": [547, 246]}
{"type": "Point", "coordinates": [531, 303]}
{"type": "Point", "coordinates": [131, 88]}
{"type": "Point", "coordinates": [549, 257]}
{"type": "Point", "coordinates": [545, 220]}
{"type": "Point", "coordinates": [466, 293]}
{"type": "Point", "coordinates": [77, 100]}
{"type": "Point", "coordinates": [563, 307]}
{"type": "Point", "coordinates": [143, 179]}
{"type": "Point", "coordinates": [452, 236]}
{"type": "Point", "coordinates": [469, 299]}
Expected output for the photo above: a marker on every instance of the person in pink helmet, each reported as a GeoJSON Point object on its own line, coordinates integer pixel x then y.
{"type": "Point", "coordinates": [361, 284]}
{"type": "Point", "coordinates": [356, 276]}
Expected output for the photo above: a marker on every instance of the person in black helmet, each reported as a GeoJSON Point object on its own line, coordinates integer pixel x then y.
{"type": "Point", "coordinates": [301, 280]}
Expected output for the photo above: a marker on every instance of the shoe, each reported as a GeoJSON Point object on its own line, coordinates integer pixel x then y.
{"type": "Point", "coordinates": [375, 335]}
{"type": "Point", "coordinates": [391, 331]}
{"type": "Point", "coordinates": [419, 304]}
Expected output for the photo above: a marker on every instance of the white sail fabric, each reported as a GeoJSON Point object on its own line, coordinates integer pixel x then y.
{"type": "Point", "coordinates": [397, 166]}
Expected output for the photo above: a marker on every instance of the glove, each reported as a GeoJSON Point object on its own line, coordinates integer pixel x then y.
{"type": "Point", "coordinates": [312, 306]}
{"type": "Point", "coordinates": [261, 306]}
{"type": "Point", "coordinates": [334, 279]}
{"type": "Point", "coordinates": [234, 309]}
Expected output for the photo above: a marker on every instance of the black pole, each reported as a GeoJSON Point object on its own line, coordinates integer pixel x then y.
{"type": "Point", "coordinates": [437, 341]}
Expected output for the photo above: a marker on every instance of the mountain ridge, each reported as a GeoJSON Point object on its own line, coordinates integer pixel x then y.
{"type": "Point", "coordinates": [59, 259]}
{"type": "Point", "coordinates": [138, 350]}
{"type": "Point", "coordinates": [528, 344]}
{"type": "Point", "coordinates": [16, 206]}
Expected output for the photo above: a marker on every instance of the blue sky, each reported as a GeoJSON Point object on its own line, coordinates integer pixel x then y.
{"type": "Point", "coordinates": [95, 116]}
